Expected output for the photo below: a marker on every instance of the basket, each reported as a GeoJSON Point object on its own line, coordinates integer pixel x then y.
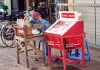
{"type": "Point", "coordinates": [23, 27]}
{"type": "Point", "coordinates": [23, 31]}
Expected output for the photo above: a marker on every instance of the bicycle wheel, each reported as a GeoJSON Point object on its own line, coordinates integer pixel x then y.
{"type": "Point", "coordinates": [7, 34]}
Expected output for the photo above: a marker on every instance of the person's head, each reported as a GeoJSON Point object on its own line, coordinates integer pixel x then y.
{"type": "Point", "coordinates": [37, 16]}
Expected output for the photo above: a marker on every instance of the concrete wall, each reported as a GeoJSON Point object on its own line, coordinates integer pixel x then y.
{"type": "Point", "coordinates": [8, 3]}
{"type": "Point", "coordinates": [70, 8]}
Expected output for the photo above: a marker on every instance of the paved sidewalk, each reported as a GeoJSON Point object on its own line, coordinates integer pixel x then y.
{"type": "Point", "coordinates": [8, 61]}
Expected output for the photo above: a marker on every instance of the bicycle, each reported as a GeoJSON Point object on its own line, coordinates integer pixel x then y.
{"type": "Point", "coordinates": [6, 26]}
{"type": "Point", "coordinates": [8, 31]}
{"type": "Point", "coordinates": [7, 34]}
{"type": "Point", "coordinates": [5, 21]}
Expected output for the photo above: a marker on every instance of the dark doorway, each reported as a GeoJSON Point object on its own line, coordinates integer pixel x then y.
{"type": "Point", "coordinates": [18, 5]}
{"type": "Point", "coordinates": [14, 4]}
{"type": "Point", "coordinates": [21, 4]}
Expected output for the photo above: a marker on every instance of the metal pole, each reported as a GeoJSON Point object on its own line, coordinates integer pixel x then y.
{"type": "Point", "coordinates": [95, 19]}
{"type": "Point", "coordinates": [79, 5]}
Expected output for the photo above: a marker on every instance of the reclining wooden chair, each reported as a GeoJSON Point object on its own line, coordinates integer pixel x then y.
{"type": "Point", "coordinates": [23, 42]}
